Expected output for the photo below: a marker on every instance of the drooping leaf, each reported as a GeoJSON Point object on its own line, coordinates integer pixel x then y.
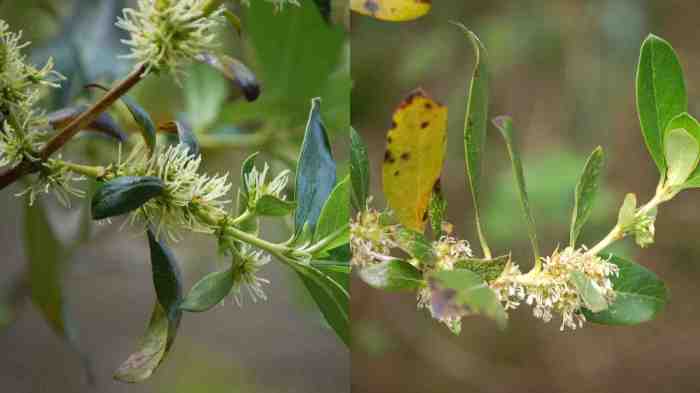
{"type": "Point", "coordinates": [591, 296]}
{"type": "Point", "coordinates": [335, 215]}
{"type": "Point", "coordinates": [586, 190]}
{"type": "Point", "coordinates": [394, 275]}
{"type": "Point", "coordinates": [165, 319]}
{"type": "Point", "coordinates": [392, 10]}
{"type": "Point", "coordinates": [332, 298]}
{"type": "Point", "coordinates": [414, 156]}
{"type": "Point", "coordinates": [458, 291]}
{"type": "Point", "coordinates": [661, 94]}
{"type": "Point", "coordinates": [682, 152]}
{"type": "Point", "coordinates": [124, 194]}
{"type": "Point", "coordinates": [487, 269]}
{"type": "Point", "coordinates": [141, 364]}
{"type": "Point", "coordinates": [235, 71]}
{"type": "Point", "coordinates": [209, 291]}
{"type": "Point", "coordinates": [640, 296]}
{"type": "Point", "coordinates": [104, 122]}
{"type": "Point", "coordinates": [505, 126]}
{"type": "Point", "coordinates": [359, 170]}
{"type": "Point", "coordinates": [185, 135]}
{"type": "Point", "coordinates": [268, 205]}
{"type": "Point", "coordinates": [46, 257]}
{"type": "Point", "coordinates": [316, 171]}
{"type": "Point", "coordinates": [475, 124]}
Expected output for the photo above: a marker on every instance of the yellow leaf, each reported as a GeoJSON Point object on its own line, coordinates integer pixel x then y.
{"type": "Point", "coordinates": [414, 155]}
{"type": "Point", "coordinates": [392, 10]}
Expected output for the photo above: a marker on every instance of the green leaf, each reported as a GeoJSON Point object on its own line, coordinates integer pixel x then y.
{"type": "Point", "coordinates": [586, 190]}
{"type": "Point", "coordinates": [46, 263]}
{"type": "Point", "coordinates": [124, 194]}
{"type": "Point", "coordinates": [437, 208]}
{"type": "Point", "coordinates": [505, 126]}
{"type": "Point", "coordinates": [316, 171]}
{"type": "Point", "coordinates": [640, 296]}
{"type": "Point", "coordinates": [268, 205]}
{"type": "Point", "coordinates": [335, 215]}
{"type": "Point", "coordinates": [166, 276]}
{"type": "Point", "coordinates": [475, 124]}
{"type": "Point", "coordinates": [359, 170]}
{"type": "Point", "coordinates": [394, 275]}
{"type": "Point", "coordinates": [332, 298]}
{"type": "Point", "coordinates": [682, 152]}
{"type": "Point", "coordinates": [455, 292]}
{"type": "Point", "coordinates": [416, 245]}
{"type": "Point", "coordinates": [487, 269]}
{"type": "Point", "coordinates": [46, 258]}
{"type": "Point", "coordinates": [690, 124]}
{"type": "Point", "coordinates": [235, 71]}
{"type": "Point", "coordinates": [143, 119]}
{"type": "Point", "coordinates": [165, 318]}
{"type": "Point", "coordinates": [625, 217]}
{"type": "Point", "coordinates": [592, 298]}
{"type": "Point", "coordinates": [209, 291]}
{"type": "Point", "coordinates": [661, 94]}
{"type": "Point", "coordinates": [205, 92]}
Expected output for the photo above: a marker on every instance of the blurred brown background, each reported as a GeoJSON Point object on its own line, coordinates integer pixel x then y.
{"type": "Point", "coordinates": [564, 70]}
{"type": "Point", "coordinates": [278, 346]}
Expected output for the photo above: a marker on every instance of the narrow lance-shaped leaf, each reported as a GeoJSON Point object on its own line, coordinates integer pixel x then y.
{"type": "Point", "coordinates": [165, 318]}
{"type": "Point", "coordinates": [359, 170]}
{"type": "Point", "coordinates": [185, 135]}
{"type": "Point", "coordinates": [46, 257]}
{"type": "Point", "coordinates": [332, 298]}
{"type": "Point", "coordinates": [394, 275]}
{"type": "Point", "coordinates": [391, 10]}
{"type": "Point", "coordinates": [475, 124]}
{"type": "Point", "coordinates": [639, 296]}
{"type": "Point", "coordinates": [415, 152]}
{"type": "Point", "coordinates": [124, 194]}
{"type": "Point", "coordinates": [505, 126]}
{"type": "Point", "coordinates": [335, 215]}
{"type": "Point", "coordinates": [269, 205]}
{"type": "Point", "coordinates": [661, 94]}
{"type": "Point", "coordinates": [586, 190]}
{"type": "Point", "coordinates": [140, 116]}
{"type": "Point", "coordinates": [316, 171]}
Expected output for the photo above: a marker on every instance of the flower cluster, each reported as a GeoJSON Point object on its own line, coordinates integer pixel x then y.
{"type": "Point", "coordinates": [166, 34]}
{"type": "Point", "coordinates": [21, 86]}
{"type": "Point", "coordinates": [257, 185]}
{"type": "Point", "coordinates": [188, 194]}
{"type": "Point", "coordinates": [54, 177]}
{"type": "Point", "coordinates": [643, 230]}
{"type": "Point", "coordinates": [246, 264]}
{"type": "Point", "coordinates": [371, 240]}
{"type": "Point", "coordinates": [550, 288]}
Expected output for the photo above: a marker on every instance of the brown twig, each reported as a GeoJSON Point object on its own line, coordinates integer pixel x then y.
{"type": "Point", "coordinates": [83, 120]}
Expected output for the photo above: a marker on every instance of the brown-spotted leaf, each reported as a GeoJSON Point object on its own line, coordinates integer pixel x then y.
{"type": "Point", "coordinates": [392, 10]}
{"type": "Point", "coordinates": [414, 156]}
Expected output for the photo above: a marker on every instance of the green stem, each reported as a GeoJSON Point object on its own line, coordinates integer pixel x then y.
{"type": "Point", "coordinates": [95, 172]}
{"type": "Point", "coordinates": [617, 233]}
{"type": "Point", "coordinates": [327, 240]}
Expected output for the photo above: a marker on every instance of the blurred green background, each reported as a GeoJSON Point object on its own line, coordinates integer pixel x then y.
{"type": "Point", "coordinates": [281, 345]}
{"type": "Point", "coordinates": [564, 70]}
